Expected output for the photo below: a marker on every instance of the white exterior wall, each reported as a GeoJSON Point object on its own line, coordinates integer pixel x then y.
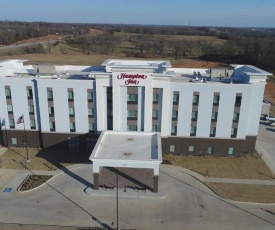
{"type": "Point", "coordinates": [61, 105]}
{"type": "Point", "coordinates": [19, 101]}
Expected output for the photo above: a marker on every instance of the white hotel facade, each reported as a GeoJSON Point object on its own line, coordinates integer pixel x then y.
{"type": "Point", "coordinates": [196, 111]}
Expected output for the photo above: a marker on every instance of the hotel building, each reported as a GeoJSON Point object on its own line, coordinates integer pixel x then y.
{"type": "Point", "coordinates": [196, 111]}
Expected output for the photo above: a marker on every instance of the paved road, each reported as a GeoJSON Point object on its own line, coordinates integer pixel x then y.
{"type": "Point", "coordinates": [266, 144]}
{"type": "Point", "coordinates": [26, 44]}
{"type": "Point", "coordinates": [183, 203]}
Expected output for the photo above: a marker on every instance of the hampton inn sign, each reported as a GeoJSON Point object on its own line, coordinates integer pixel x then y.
{"type": "Point", "coordinates": [131, 79]}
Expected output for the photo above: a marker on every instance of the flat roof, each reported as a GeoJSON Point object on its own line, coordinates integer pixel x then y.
{"type": "Point", "coordinates": [131, 146]}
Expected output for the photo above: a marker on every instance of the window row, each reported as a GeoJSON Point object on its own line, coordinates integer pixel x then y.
{"type": "Point", "coordinates": [72, 126]}
{"type": "Point", "coordinates": [32, 123]}
{"type": "Point", "coordinates": [8, 93]}
{"type": "Point", "coordinates": [191, 149]}
{"type": "Point", "coordinates": [194, 115]}
{"type": "Point", "coordinates": [71, 111]}
{"type": "Point", "coordinates": [212, 133]}
{"type": "Point", "coordinates": [90, 96]}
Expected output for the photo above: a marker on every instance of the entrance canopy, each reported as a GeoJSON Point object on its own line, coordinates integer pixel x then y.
{"type": "Point", "coordinates": [128, 150]}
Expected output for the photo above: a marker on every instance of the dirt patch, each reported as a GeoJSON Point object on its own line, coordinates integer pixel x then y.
{"type": "Point", "coordinates": [250, 166]}
{"type": "Point", "coordinates": [41, 159]}
{"type": "Point", "coordinates": [245, 192]}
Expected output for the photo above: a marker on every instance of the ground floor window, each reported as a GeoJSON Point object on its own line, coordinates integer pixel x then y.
{"type": "Point", "coordinates": [230, 151]}
{"type": "Point", "coordinates": [210, 150]}
{"type": "Point", "coordinates": [191, 149]}
{"type": "Point", "coordinates": [14, 141]}
{"type": "Point", "coordinates": [172, 148]}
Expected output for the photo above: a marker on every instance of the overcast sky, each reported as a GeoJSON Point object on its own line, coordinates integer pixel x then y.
{"type": "Point", "coordinates": [232, 13]}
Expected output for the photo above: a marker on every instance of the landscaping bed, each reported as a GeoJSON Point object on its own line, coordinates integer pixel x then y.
{"type": "Point", "coordinates": [33, 181]}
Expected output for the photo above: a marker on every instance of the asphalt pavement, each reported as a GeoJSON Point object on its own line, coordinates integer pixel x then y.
{"type": "Point", "coordinates": [265, 144]}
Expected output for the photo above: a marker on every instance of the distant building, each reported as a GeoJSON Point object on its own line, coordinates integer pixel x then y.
{"type": "Point", "coordinates": [197, 111]}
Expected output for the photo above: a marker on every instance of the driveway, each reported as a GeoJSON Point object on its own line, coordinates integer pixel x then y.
{"type": "Point", "coordinates": [183, 202]}
{"type": "Point", "coordinates": [265, 144]}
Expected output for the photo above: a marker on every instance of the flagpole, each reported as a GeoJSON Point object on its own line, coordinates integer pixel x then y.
{"type": "Point", "coordinates": [25, 139]}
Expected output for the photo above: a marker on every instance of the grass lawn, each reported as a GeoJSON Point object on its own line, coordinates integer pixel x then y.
{"type": "Point", "coordinates": [250, 166]}
{"type": "Point", "coordinates": [245, 192]}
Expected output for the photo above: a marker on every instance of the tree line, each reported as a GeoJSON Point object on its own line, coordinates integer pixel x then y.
{"type": "Point", "coordinates": [236, 45]}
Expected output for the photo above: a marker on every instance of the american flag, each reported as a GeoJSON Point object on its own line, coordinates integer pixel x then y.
{"type": "Point", "coordinates": [20, 120]}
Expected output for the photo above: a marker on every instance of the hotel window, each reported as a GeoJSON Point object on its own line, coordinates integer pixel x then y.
{"type": "Point", "coordinates": [10, 108]}
{"type": "Point", "coordinates": [131, 128]}
{"type": "Point", "coordinates": [175, 99]}
{"type": "Point", "coordinates": [191, 149]}
{"type": "Point", "coordinates": [29, 93]}
{"type": "Point", "coordinates": [193, 131]}
{"type": "Point", "coordinates": [214, 116]}
{"type": "Point", "coordinates": [174, 114]}
{"type": "Point", "coordinates": [173, 130]}
{"type": "Point", "coordinates": [91, 127]}
{"type": "Point", "coordinates": [52, 126]}
{"type": "Point", "coordinates": [155, 114]}
{"type": "Point", "coordinates": [70, 95]}
{"type": "Point", "coordinates": [234, 132]}
{"type": "Point", "coordinates": [50, 95]}
{"type": "Point", "coordinates": [196, 99]}
{"type": "Point", "coordinates": [90, 111]}
{"type": "Point", "coordinates": [230, 151]}
{"type": "Point", "coordinates": [172, 148]}
{"type": "Point", "coordinates": [11, 121]}
{"type": "Point", "coordinates": [212, 131]}
{"type": "Point", "coordinates": [155, 97]}
{"type": "Point", "coordinates": [31, 109]}
{"type": "Point", "coordinates": [14, 141]}
{"type": "Point", "coordinates": [8, 92]}
{"type": "Point", "coordinates": [132, 113]}
{"type": "Point", "coordinates": [72, 126]}
{"type": "Point", "coordinates": [154, 128]}
{"type": "Point", "coordinates": [132, 98]}
{"type": "Point", "coordinates": [71, 111]}
{"type": "Point", "coordinates": [90, 96]}
{"type": "Point", "coordinates": [238, 100]}
{"type": "Point", "coordinates": [194, 115]}
{"type": "Point", "coordinates": [32, 123]}
{"type": "Point", "coordinates": [236, 117]}
{"type": "Point", "coordinates": [51, 111]}
{"type": "Point", "coordinates": [210, 150]}
{"type": "Point", "coordinates": [216, 100]}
